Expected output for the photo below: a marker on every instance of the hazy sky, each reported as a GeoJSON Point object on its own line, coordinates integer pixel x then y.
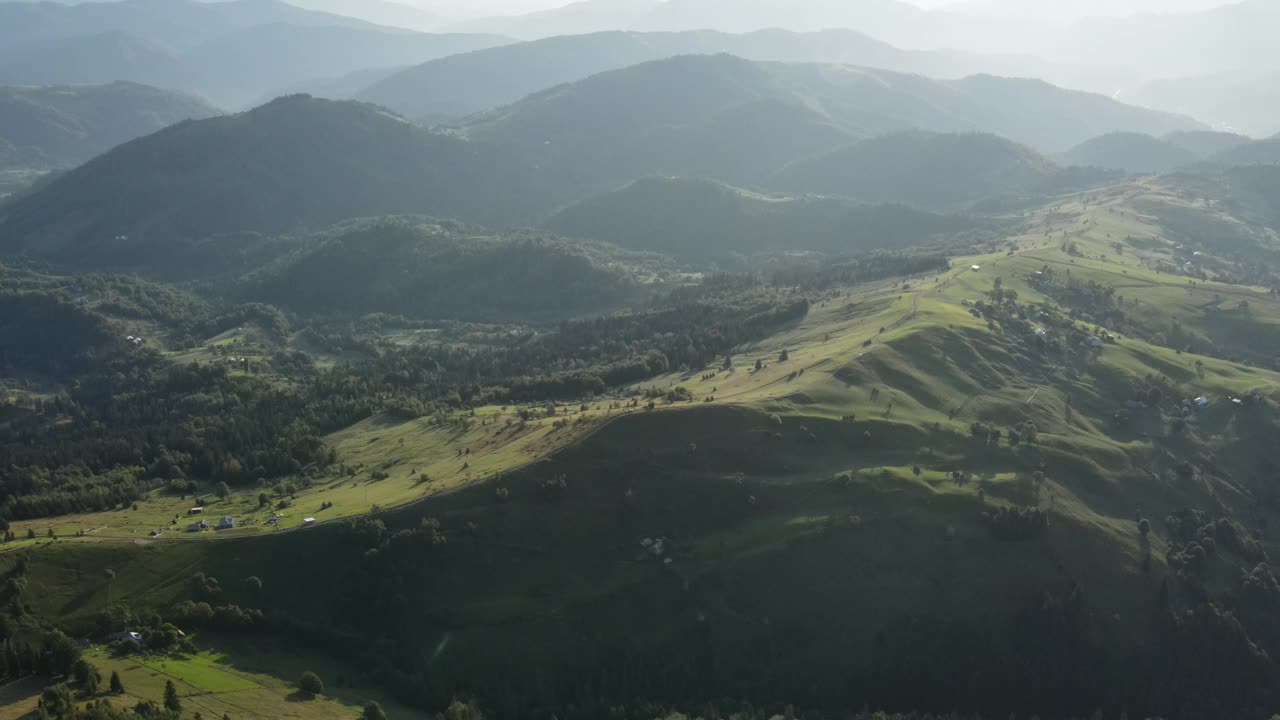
{"type": "Point", "coordinates": [1060, 8]}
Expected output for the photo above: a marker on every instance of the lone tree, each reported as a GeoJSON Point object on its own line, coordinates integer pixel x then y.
{"type": "Point", "coordinates": [117, 687]}
{"type": "Point", "coordinates": [373, 711]}
{"type": "Point", "coordinates": [784, 356]}
{"type": "Point", "coordinates": [171, 701]}
{"type": "Point", "coordinates": [263, 500]}
{"type": "Point", "coordinates": [310, 683]}
{"type": "Point", "coordinates": [1144, 527]}
{"type": "Point", "coordinates": [223, 490]}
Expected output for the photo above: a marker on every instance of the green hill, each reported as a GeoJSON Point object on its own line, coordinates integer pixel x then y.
{"type": "Point", "coordinates": [930, 170]}
{"type": "Point", "coordinates": [258, 172]}
{"type": "Point", "coordinates": [705, 219]}
{"type": "Point", "coordinates": [1130, 152]}
{"type": "Point", "coordinates": [445, 270]}
{"type": "Point", "coordinates": [46, 128]}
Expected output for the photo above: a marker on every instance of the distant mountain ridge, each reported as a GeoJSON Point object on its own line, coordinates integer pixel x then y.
{"type": "Point", "coordinates": [1258, 152]}
{"type": "Point", "coordinates": [459, 85]}
{"type": "Point", "coordinates": [1207, 143]}
{"type": "Point", "coordinates": [1132, 152]}
{"type": "Point", "coordinates": [586, 16]}
{"type": "Point", "coordinates": [1172, 39]}
{"type": "Point", "coordinates": [380, 12]}
{"type": "Point", "coordinates": [299, 163]}
{"type": "Point", "coordinates": [229, 52]}
{"type": "Point", "coordinates": [1245, 102]}
{"type": "Point", "coordinates": [175, 24]}
{"type": "Point", "coordinates": [595, 124]}
{"type": "Point", "coordinates": [946, 172]}
{"type": "Point", "coordinates": [276, 55]}
{"type": "Point", "coordinates": [700, 219]}
{"type": "Point", "coordinates": [63, 126]}
{"type": "Point", "coordinates": [1233, 37]}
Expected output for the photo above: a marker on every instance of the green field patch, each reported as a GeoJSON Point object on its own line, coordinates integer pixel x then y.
{"type": "Point", "coordinates": [206, 673]}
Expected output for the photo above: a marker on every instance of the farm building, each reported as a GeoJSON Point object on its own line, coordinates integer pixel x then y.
{"type": "Point", "coordinates": [227, 523]}
{"type": "Point", "coordinates": [126, 636]}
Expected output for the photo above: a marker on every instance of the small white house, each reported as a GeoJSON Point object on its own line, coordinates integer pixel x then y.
{"type": "Point", "coordinates": [975, 268]}
{"type": "Point", "coordinates": [308, 521]}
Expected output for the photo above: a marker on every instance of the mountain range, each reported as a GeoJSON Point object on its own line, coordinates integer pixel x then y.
{"type": "Point", "coordinates": [1233, 37]}
{"type": "Point", "coordinates": [930, 170]}
{"type": "Point", "coordinates": [231, 53]}
{"type": "Point", "coordinates": [1144, 154]}
{"type": "Point", "coordinates": [1169, 39]}
{"type": "Point", "coordinates": [705, 219]}
{"type": "Point", "coordinates": [300, 163]}
{"type": "Point", "coordinates": [1240, 101]}
{"type": "Point", "coordinates": [48, 128]}
{"type": "Point", "coordinates": [615, 118]}
{"type": "Point", "coordinates": [463, 84]}
{"type": "Point", "coordinates": [1133, 152]}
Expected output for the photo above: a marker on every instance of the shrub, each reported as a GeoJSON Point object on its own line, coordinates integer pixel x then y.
{"type": "Point", "coordinates": [310, 683]}
{"type": "Point", "coordinates": [1016, 524]}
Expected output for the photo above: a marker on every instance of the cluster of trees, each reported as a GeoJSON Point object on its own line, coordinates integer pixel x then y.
{"type": "Point", "coordinates": [1013, 524]}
